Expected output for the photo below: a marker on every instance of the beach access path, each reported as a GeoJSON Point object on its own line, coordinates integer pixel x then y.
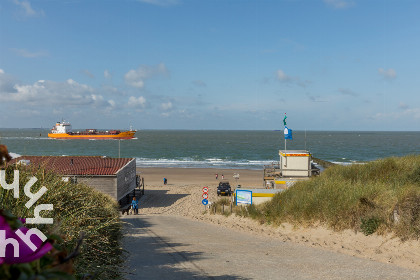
{"type": "Point", "coordinates": [173, 238]}
{"type": "Point", "coordinates": [174, 247]}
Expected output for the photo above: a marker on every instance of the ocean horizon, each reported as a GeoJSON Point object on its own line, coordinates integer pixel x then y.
{"type": "Point", "coordinates": [230, 149]}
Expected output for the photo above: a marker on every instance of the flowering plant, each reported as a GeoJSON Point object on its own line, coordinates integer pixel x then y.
{"type": "Point", "coordinates": [19, 261]}
{"type": "Point", "coordinates": [25, 253]}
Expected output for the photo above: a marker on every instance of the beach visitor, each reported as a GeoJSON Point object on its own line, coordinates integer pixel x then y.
{"type": "Point", "coordinates": [165, 181]}
{"type": "Point", "coordinates": [217, 176]}
{"type": "Point", "coordinates": [223, 177]}
{"type": "Point", "coordinates": [135, 205]}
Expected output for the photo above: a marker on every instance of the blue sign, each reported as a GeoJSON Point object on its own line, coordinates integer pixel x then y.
{"type": "Point", "coordinates": [205, 201]}
{"type": "Point", "coordinates": [243, 197]}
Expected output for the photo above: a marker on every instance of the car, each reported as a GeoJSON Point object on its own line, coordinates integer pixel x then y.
{"type": "Point", "coordinates": [224, 189]}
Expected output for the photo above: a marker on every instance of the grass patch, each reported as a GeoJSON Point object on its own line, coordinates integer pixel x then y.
{"type": "Point", "coordinates": [222, 206]}
{"type": "Point", "coordinates": [379, 196]}
{"type": "Point", "coordinates": [77, 208]}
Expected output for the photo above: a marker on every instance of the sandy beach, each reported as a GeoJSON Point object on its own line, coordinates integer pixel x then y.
{"type": "Point", "coordinates": [182, 197]}
{"type": "Point", "coordinates": [200, 176]}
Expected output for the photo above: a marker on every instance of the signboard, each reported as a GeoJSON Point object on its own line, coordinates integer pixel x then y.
{"type": "Point", "coordinates": [205, 196]}
{"type": "Point", "coordinates": [243, 197]}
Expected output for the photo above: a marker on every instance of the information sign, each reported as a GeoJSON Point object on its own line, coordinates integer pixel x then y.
{"type": "Point", "coordinates": [243, 197]}
{"type": "Point", "coordinates": [205, 201]}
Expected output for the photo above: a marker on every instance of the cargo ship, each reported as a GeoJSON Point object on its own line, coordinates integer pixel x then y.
{"type": "Point", "coordinates": [63, 130]}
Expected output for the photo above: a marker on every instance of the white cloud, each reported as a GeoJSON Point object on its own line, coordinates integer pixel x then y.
{"type": "Point", "coordinates": [339, 4]}
{"type": "Point", "coordinates": [406, 114]}
{"type": "Point", "coordinates": [7, 83]}
{"type": "Point", "coordinates": [88, 73]}
{"type": "Point", "coordinates": [284, 78]}
{"type": "Point", "coordinates": [27, 8]}
{"type": "Point", "coordinates": [389, 74]}
{"type": "Point", "coordinates": [112, 103]}
{"type": "Point", "coordinates": [166, 106]}
{"type": "Point", "coordinates": [107, 74]}
{"type": "Point", "coordinates": [403, 106]}
{"type": "Point", "coordinates": [55, 94]}
{"type": "Point", "coordinates": [137, 101]}
{"type": "Point", "coordinates": [136, 78]}
{"type": "Point", "coordinates": [281, 76]}
{"type": "Point", "coordinates": [29, 54]}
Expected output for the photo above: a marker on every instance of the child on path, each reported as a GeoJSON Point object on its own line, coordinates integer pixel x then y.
{"type": "Point", "coordinates": [135, 205]}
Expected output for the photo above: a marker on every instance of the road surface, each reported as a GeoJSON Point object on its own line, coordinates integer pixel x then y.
{"type": "Point", "coordinates": [173, 247]}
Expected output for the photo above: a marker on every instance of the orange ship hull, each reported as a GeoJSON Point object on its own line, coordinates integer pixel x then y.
{"type": "Point", "coordinates": [97, 136]}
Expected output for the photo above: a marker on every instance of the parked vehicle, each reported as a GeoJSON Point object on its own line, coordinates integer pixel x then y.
{"type": "Point", "coordinates": [224, 189]}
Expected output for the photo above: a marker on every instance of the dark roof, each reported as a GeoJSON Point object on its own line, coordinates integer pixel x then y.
{"type": "Point", "coordinates": [76, 165]}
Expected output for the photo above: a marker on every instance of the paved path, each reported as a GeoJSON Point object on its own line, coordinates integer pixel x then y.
{"type": "Point", "coordinates": [172, 247]}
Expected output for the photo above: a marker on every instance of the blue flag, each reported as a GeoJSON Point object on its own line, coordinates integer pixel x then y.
{"type": "Point", "coordinates": [288, 133]}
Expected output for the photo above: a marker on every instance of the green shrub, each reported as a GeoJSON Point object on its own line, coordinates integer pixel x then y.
{"type": "Point", "coordinates": [361, 197]}
{"type": "Point", "coordinates": [77, 208]}
{"type": "Point", "coordinates": [369, 225]}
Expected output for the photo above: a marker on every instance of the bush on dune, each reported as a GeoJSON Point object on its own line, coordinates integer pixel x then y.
{"type": "Point", "coordinates": [77, 209]}
{"type": "Point", "coordinates": [379, 196]}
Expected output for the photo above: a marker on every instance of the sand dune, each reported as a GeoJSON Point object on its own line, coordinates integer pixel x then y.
{"type": "Point", "coordinates": [182, 196]}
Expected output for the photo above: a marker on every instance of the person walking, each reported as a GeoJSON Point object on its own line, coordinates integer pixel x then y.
{"type": "Point", "coordinates": [135, 205]}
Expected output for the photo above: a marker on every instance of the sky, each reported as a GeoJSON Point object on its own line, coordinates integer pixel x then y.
{"type": "Point", "coordinates": [347, 65]}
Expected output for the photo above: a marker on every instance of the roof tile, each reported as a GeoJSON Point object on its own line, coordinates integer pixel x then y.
{"type": "Point", "coordinates": [77, 165]}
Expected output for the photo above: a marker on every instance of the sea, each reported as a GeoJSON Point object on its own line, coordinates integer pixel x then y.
{"type": "Point", "coordinates": [227, 149]}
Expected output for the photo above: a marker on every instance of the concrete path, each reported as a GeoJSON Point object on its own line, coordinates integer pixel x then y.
{"type": "Point", "coordinates": [172, 247]}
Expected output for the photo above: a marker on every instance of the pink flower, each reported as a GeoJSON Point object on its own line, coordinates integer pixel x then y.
{"type": "Point", "coordinates": [26, 254]}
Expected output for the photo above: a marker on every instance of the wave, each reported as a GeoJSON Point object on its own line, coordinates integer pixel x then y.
{"type": "Point", "coordinates": [213, 163]}
{"type": "Point", "coordinates": [24, 138]}
{"type": "Point", "coordinates": [204, 163]}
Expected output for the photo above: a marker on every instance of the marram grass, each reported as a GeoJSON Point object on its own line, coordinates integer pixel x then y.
{"type": "Point", "coordinates": [77, 208]}
{"type": "Point", "coordinates": [379, 196]}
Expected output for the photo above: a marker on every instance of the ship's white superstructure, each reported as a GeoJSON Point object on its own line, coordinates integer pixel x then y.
{"type": "Point", "coordinates": [61, 127]}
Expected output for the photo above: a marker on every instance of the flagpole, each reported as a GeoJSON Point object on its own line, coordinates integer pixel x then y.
{"type": "Point", "coordinates": [285, 152]}
{"type": "Point", "coordinates": [285, 140]}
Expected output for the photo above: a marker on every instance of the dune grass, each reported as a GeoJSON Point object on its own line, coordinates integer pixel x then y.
{"type": "Point", "coordinates": [379, 196]}
{"type": "Point", "coordinates": [77, 208]}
